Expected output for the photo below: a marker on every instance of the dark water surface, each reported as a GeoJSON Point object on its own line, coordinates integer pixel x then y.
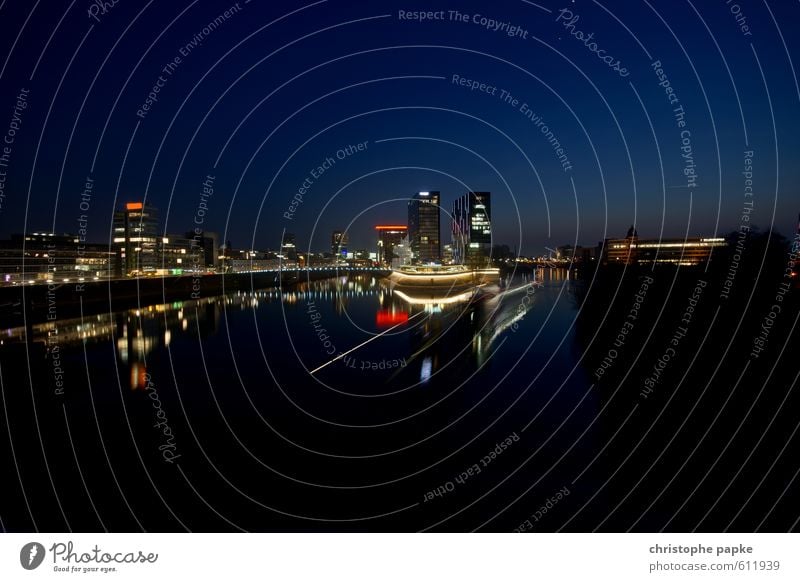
{"type": "Point", "coordinates": [235, 413]}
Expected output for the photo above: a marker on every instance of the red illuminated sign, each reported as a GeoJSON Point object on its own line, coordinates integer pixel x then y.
{"type": "Point", "coordinates": [388, 318]}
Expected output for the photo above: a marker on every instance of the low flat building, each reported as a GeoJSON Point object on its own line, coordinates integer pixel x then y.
{"type": "Point", "coordinates": [42, 257]}
{"type": "Point", "coordinates": [632, 250]}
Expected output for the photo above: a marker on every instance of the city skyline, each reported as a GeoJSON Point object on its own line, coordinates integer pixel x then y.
{"type": "Point", "coordinates": [345, 266]}
{"type": "Point", "coordinates": [366, 239]}
{"type": "Point", "coordinates": [432, 123]}
{"type": "Point", "coordinates": [137, 251]}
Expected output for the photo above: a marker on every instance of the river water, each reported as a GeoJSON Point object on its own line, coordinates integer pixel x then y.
{"type": "Point", "coordinates": [336, 400]}
{"type": "Point", "coordinates": [328, 406]}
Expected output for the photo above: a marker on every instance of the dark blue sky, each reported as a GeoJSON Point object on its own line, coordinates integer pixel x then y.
{"type": "Point", "coordinates": [271, 102]}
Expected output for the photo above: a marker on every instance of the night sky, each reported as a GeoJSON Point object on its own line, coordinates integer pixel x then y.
{"type": "Point", "coordinates": [261, 99]}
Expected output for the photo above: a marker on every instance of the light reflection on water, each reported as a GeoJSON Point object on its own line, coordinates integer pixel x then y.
{"type": "Point", "coordinates": [455, 325]}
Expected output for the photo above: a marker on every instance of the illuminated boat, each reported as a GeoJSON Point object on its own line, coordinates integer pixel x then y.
{"type": "Point", "coordinates": [452, 279]}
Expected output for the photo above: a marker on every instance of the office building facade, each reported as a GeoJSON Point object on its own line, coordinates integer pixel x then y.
{"type": "Point", "coordinates": [389, 237]}
{"type": "Point", "coordinates": [289, 247]}
{"type": "Point", "coordinates": [45, 256]}
{"type": "Point", "coordinates": [632, 250]}
{"type": "Point", "coordinates": [423, 227]}
{"type": "Point", "coordinates": [339, 242]}
{"type": "Point", "coordinates": [136, 238]}
{"type": "Point", "coordinates": [472, 229]}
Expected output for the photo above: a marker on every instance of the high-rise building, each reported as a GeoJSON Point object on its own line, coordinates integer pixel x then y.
{"type": "Point", "coordinates": [289, 247]}
{"type": "Point", "coordinates": [423, 227]}
{"type": "Point", "coordinates": [339, 243]}
{"type": "Point", "coordinates": [795, 249]}
{"type": "Point", "coordinates": [389, 236]}
{"type": "Point", "coordinates": [136, 238]}
{"type": "Point", "coordinates": [472, 229]}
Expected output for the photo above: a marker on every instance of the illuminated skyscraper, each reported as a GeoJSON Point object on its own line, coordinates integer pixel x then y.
{"type": "Point", "coordinates": [472, 229]}
{"type": "Point", "coordinates": [289, 247]}
{"type": "Point", "coordinates": [339, 243]}
{"type": "Point", "coordinates": [135, 238]}
{"type": "Point", "coordinates": [795, 249]}
{"type": "Point", "coordinates": [389, 236]}
{"type": "Point", "coordinates": [423, 227]}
